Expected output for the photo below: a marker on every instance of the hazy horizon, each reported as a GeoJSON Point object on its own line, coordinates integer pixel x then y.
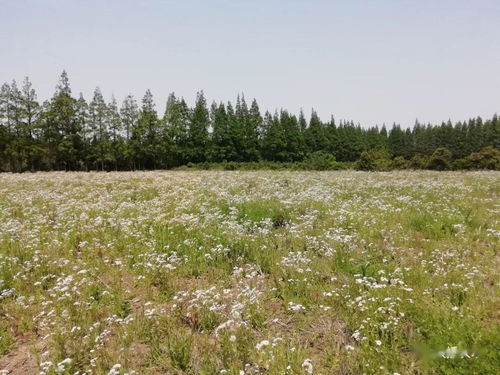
{"type": "Point", "coordinates": [370, 62]}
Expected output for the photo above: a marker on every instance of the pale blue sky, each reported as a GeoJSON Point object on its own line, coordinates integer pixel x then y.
{"type": "Point", "coordinates": [370, 61]}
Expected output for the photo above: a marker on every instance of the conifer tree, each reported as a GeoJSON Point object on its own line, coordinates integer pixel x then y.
{"type": "Point", "coordinates": [253, 124]}
{"type": "Point", "coordinates": [60, 129]}
{"type": "Point", "coordinates": [98, 124]}
{"type": "Point", "coordinates": [176, 124]}
{"type": "Point", "coordinates": [30, 108]}
{"type": "Point", "coordinates": [293, 137]}
{"type": "Point", "coordinates": [129, 114]}
{"type": "Point", "coordinates": [115, 130]}
{"type": "Point", "coordinates": [222, 149]}
{"type": "Point", "coordinates": [274, 140]}
{"type": "Point", "coordinates": [148, 133]}
{"type": "Point", "coordinates": [198, 130]}
{"type": "Point", "coordinates": [315, 135]}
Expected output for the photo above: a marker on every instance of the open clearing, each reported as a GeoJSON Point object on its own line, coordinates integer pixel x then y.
{"type": "Point", "coordinates": [249, 273]}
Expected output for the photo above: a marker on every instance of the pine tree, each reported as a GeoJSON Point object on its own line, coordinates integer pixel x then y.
{"type": "Point", "coordinates": [115, 129]}
{"type": "Point", "coordinates": [82, 117]}
{"type": "Point", "coordinates": [29, 112]}
{"type": "Point", "coordinates": [274, 140]}
{"type": "Point", "coordinates": [7, 128]}
{"type": "Point", "coordinates": [253, 122]}
{"type": "Point", "coordinates": [332, 137]}
{"type": "Point", "coordinates": [15, 110]}
{"type": "Point", "coordinates": [396, 141]}
{"type": "Point", "coordinates": [222, 149]}
{"type": "Point", "coordinates": [82, 121]}
{"type": "Point", "coordinates": [315, 135]}
{"type": "Point", "coordinates": [302, 122]}
{"type": "Point", "coordinates": [148, 133]}
{"type": "Point", "coordinates": [60, 129]}
{"type": "Point", "coordinates": [5, 106]}
{"type": "Point", "coordinates": [30, 108]}
{"type": "Point", "coordinates": [114, 120]}
{"type": "Point", "coordinates": [176, 124]}
{"type": "Point", "coordinates": [129, 112]}
{"type": "Point", "coordinates": [98, 124]}
{"type": "Point", "coordinates": [292, 136]}
{"type": "Point", "coordinates": [198, 130]}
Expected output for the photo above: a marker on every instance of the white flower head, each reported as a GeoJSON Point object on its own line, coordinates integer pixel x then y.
{"type": "Point", "coordinates": [307, 366]}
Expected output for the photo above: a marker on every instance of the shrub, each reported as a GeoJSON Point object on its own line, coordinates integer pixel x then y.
{"type": "Point", "coordinates": [231, 166]}
{"type": "Point", "coordinates": [366, 162]}
{"type": "Point", "coordinates": [440, 159]}
{"type": "Point", "coordinates": [320, 161]}
{"type": "Point", "coordinates": [418, 161]}
{"type": "Point", "coordinates": [487, 158]}
{"type": "Point", "coordinates": [461, 164]}
{"type": "Point", "coordinates": [399, 163]}
{"type": "Point", "coordinates": [374, 160]}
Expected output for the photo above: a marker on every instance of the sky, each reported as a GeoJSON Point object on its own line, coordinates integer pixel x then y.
{"type": "Point", "coordinates": [372, 62]}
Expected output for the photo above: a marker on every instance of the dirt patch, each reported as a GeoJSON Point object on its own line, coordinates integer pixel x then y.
{"type": "Point", "coordinates": [19, 361]}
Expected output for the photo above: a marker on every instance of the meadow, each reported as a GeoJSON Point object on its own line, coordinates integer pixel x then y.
{"type": "Point", "coordinates": [240, 273]}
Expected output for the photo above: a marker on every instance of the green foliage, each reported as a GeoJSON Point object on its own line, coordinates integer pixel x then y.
{"type": "Point", "coordinates": [198, 131]}
{"type": "Point", "coordinates": [440, 159]}
{"type": "Point", "coordinates": [418, 161]}
{"type": "Point", "coordinates": [321, 161]}
{"type": "Point", "coordinates": [461, 164]}
{"type": "Point", "coordinates": [366, 162]}
{"type": "Point", "coordinates": [66, 133]}
{"type": "Point", "coordinates": [399, 163]}
{"type": "Point", "coordinates": [209, 320]}
{"type": "Point", "coordinates": [179, 350]}
{"type": "Point", "coordinates": [487, 158]}
{"type": "Point", "coordinates": [6, 341]}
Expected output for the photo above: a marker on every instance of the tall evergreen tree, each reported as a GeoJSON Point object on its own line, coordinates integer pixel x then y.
{"type": "Point", "coordinates": [315, 135]}
{"type": "Point", "coordinates": [115, 130]}
{"type": "Point", "coordinates": [29, 112]}
{"type": "Point", "coordinates": [30, 108]}
{"type": "Point", "coordinates": [293, 137]}
{"type": "Point", "coordinates": [222, 149]}
{"type": "Point", "coordinates": [274, 140]}
{"type": "Point", "coordinates": [129, 113]}
{"type": "Point", "coordinates": [198, 130]}
{"type": "Point", "coordinates": [98, 124]}
{"type": "Point", "coordinates": [60, 129]}
{"type": "Point", "coordinates": [253, 121]}
{"type": "Point", "coordinates": [149, 133]}
{"type": "Point", "coordinates": [176, 124]}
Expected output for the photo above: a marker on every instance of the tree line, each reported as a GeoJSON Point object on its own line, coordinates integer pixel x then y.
{"type": "Point", "coordinates": [69, 133]}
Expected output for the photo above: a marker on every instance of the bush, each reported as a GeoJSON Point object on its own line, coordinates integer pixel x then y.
{"type": "Point", "coordinates": [418, 161]}
{"type": "Point", "coordinates": [461, 164]}
{"type": "Point", "coordinates": [231, 166]}
{"type": "Point", "coordinates": [320, 161]}
{"type": "Point", "coordinates": [366, 162]}
{"type": "Point", "coordinates": [374, 160]}
{"type": "Point", "coordinates": [440, 159]}
{"type": "Point", "coordinates": [399, 163]}
{"type": "Point", "coordinates": [487, 158]}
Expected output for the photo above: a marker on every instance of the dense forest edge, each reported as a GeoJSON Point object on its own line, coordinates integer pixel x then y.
{"type": "Point", "coordinates": [70, 134]}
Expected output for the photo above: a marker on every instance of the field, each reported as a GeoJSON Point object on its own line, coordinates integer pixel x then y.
{"type": "Point", "coordinates": [249, 273]}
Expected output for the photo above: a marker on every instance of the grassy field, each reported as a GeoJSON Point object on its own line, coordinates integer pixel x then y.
{"type": "Point", "coordinates": [250, 273]}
